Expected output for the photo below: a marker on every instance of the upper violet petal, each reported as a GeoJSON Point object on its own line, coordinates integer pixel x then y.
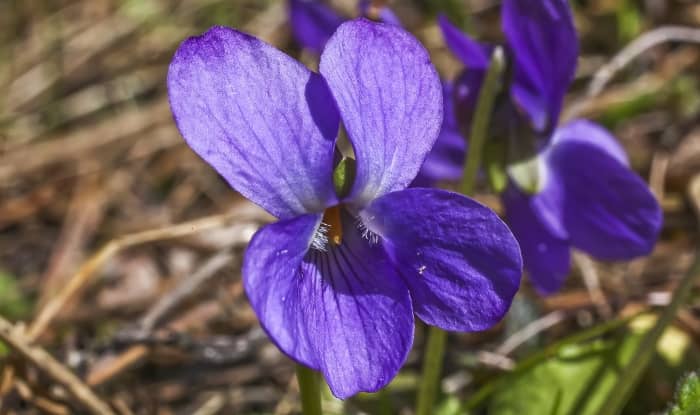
{"type": "Point", "coordinates": [472, 54]}
{"type": "Point", "coordinates": [342, 311]}
{"type": "Point", "coordinates": [589, 132]}
{"type": "Point", "coordinates": [262, 120]}
{"type": "Point", "coordinates": [608, 211]}
{"type": "Point", "coordinates": [390, 100]}
{"type": "Point", "coordinates": [460, 261]}
{"type": "Point", "coordinates": [547, 257]}
{"type": "Point", "coordinates": [543, 41]}
{"type": "Point", "coordinates": [313, 23]}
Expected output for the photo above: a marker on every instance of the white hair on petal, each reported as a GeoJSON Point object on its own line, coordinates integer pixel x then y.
{"type": "Point", "coordinates": [320, 239]}
{"type": "Point", "coordinates": [366, 232]}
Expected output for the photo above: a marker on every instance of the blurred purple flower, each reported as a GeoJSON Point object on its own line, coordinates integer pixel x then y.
{"type": "Point", "coordinates": [568, 185]}
{"type": "Point", "coordinates": [337, 280]}
{"type": "Point", "coordinates": [313, 22]}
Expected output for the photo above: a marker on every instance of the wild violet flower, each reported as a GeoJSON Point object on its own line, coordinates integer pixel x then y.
{"type": "Point", "coordinates": [313, 22]}
{"type": "Point", "coordinates": [567, 186]}
{"type": "Point", "coordinates": [336, 281]}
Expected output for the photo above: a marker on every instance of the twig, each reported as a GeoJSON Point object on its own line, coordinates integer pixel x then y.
{"type": "Point", "coordinates": [136, 353]}
{"type": "Point", "coordinates": [40, 402]}
{"type": "Point", "coordinates": [529, 331]}
{"type": "Point", "coordinates": [657, 174]}
{"type": "Point", "coordinates": [495, 360]}
{"type": "Point", "coordinates": [88, 269]}
{"type": "Point", "coordinates": [54, 369]}
{"type": "Point", "coordinates": [213, 405]}
{"type": "Point", "coordinates": [100, 373]}
{"type": "Point", "coordinates": [186, 288]}
{"type": "Point", "coordinates": [646, 41]}
{"type": "Point", "coordinates": [592, 282]}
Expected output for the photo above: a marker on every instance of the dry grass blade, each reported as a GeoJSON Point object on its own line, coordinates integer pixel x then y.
{"type": "Point", "coordinates": [54, 369]}
{"type": "Point", "coordinates": [643, 43]}
{"type": "Point", "coordinates": [88, 269]}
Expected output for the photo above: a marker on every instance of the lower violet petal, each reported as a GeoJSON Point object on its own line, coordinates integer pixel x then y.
{"type": "Point", "coordinates": [547, 258]}
{"type": "Point", "coordinates": [342, 310]}
{"type": "Point", "coordinates": [607, 209]}
{"type": "Point", "coordinates": [460, 261]}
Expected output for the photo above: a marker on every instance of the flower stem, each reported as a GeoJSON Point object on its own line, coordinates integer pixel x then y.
{"type": "Point", "coordinates": [310, 390]}
{"type": "Point", "coordinates": [482, 120]}
{"type": "Point", "coordinates": [432, 367]}
{"type": "Point", "coordinates": [437, 338]}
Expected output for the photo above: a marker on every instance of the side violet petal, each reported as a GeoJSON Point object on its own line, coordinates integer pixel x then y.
{"type": "Point", "coordinates": [390, 101]}
{"type": "Point", "coordinates": [594, 134]}
{"type": "Point", "coordinates": [460, 261]}
{"type": "Point", "coordinates": [261, 119]}
{"type": "Point", "coordinates": [544, 43]}
{"type": "Point", "coordinates": [547, 258]}
{"type": "Point", "coordinates": [313, 23]}
{"type": "Point", "coordinates": [474, 55]}
{"type": "Point", "coordinates": [608, 211]}
{"type": "Point", "coordinates": [342, 311]}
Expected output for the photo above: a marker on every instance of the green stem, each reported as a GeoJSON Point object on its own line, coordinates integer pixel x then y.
{"type": "Point", "coordinates": [482, 120]}
{"type": "Point", "coordinates": [432, 367]}
{"type": "Point", "coordinates": [437, 338]}
{"type": "Point", "coordinates": [620, 394]}
{"type": "Point", "coordinates": [310, 390]}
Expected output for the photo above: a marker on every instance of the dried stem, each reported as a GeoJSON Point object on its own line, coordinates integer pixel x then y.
{"type": "Point", "coordinates": [646, 41]}
{"type": "Point", "coordinates": [53, 368]}
{"type": "Point", "coordinates": [89, 268]}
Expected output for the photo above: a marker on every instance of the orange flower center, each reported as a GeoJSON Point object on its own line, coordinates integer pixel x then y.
{"type": "Point", "coordinates": [332, 218]}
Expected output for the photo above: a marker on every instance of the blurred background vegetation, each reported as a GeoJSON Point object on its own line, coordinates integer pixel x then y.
{"type": "Point", "coordinates": [158, 323]}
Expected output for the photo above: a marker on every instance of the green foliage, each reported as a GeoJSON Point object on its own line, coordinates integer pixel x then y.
{"type": "Point", "coordinates": [573, 382]}
{"type": "Point", "coordinates": [578, 376]}
{"type": "Point", "coordinates": [13, 303]}
{"type": "Point", "coordinates": [629, 20]}
{"type": "Point", "coordinates": [687, 396]}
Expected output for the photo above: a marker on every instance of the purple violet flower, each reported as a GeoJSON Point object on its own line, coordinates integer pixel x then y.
{"type": "Point", "coordinates": [568, 186]}
{"type": "Point", "coordinates": [336, 281]}
{"type": "Point", "coordinates": [313, 22]}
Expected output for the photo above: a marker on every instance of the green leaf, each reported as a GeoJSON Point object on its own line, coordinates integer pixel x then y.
{"type": "Point", "coordinates": [574, 381]}
{"type": "Point", "coordinates": [687, 396]}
